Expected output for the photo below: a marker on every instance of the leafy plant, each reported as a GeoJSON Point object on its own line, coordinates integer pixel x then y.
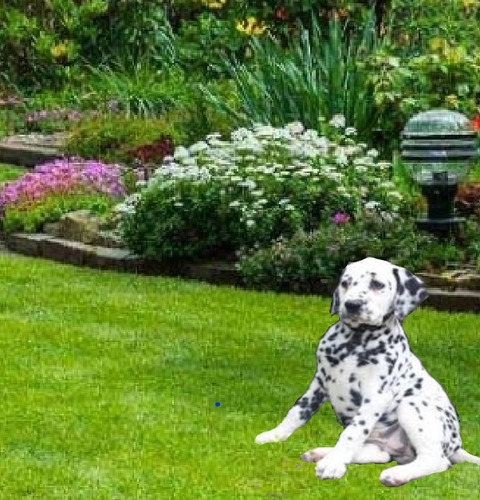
{"type": "Point", "coordinates": [133, 33]}
{"type": "Point", "coordinates": [143, 92]}
{"type": "Point", "coordinates": [308, 262]}
{"type": "Point", "coordinates": [414, 23]}
{"type": "Point", "coordinates": [41, 40]}
{"type": "Point", "coordinates": [318, 74]}
{"type": "Point", "coordinates": [51, 209]}
{"type": "Point", "coordinates": [203, 42]}
{"type": "Point", "coordinates": [446, 76]}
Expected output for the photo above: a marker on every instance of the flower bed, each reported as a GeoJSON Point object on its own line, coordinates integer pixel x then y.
{"type": "Point", "coordinates": [220, 196]}
{"type": "Point", "coordinates": [57, 187]}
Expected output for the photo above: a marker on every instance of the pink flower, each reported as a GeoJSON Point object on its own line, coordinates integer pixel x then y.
{"type": "Point", "coordinates": [68, 175]}
{"type": "Point", "coordinates": [340, 218]}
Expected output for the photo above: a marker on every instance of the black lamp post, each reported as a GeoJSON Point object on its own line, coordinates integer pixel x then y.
{"type": "Point", "coordinates": [438, 147]}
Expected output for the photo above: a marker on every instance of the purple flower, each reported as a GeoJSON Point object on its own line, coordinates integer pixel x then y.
{"type": "Point", "coordinates": [63, 176]}
{"type": "Point", "coordinates": [340, 218]}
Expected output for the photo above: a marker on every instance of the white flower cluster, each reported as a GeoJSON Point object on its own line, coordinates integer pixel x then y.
{"type": "Point", "coordinates": [264, 167]}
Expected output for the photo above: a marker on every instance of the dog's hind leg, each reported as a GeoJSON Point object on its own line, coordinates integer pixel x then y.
{"type": "Point", "coordinates": [368, 454]}
{"type": "Point", "coordinates": [463, 456]}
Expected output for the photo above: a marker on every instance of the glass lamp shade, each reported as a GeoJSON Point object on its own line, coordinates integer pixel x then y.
{"type": "Point", "coordinates": [438, 147]}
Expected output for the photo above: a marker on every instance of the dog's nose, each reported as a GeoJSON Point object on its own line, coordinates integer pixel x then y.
{"type": "Point", "coordinates": [353, 306]}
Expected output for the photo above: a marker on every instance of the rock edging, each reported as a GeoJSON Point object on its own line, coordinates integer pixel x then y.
{"type": "Point", "coordinates": [451, 298]}
{"type": "Point", "coordinates": [116, 259]}
{"type": "Point", "coordinates": [28, 150]}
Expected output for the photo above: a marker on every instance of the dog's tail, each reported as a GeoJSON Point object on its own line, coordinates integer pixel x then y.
{"type": "Point", "coordinates": [463, 456]}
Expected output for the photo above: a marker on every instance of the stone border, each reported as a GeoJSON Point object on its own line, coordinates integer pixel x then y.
{"type": "Point", "coordinates": [116, 259]}
{"type": "Point", "coordinates": [29, 150]}
{"type": "Point", "coordinates": [218, 273]}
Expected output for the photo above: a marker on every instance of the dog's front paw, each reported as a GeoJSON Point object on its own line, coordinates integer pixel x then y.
{"type": "Point", "coordinates": [273, 436]}
{"type": "Point", "coordinates": [393, 477]}
{"type": "Point", "coordinates": [330, 467]}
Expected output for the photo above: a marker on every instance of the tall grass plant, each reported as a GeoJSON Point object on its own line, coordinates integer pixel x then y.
{"type": "Point", "coordinates": [319, 73]}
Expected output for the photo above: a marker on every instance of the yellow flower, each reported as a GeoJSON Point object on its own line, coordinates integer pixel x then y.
{"type": "Point", "coordinates": [59, 51]}
{"type": "Point", "coordinates": [456, 55]}
{"type": "Point", "coordinates": [438, 44]}
{"type": "Point", "coordinates": [214, 4]}
{"type": "Point", "coordinates": [467, 4]}
{"type": "Point", "coordinates": [251, 26]}
{"type": "Point", "coordinates": [451, 101]}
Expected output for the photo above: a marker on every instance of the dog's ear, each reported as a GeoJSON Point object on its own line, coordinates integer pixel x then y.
{"type": "Point", "coordinates": [335, 303]}
{"type": "Point", "coordinates": [410, 292]}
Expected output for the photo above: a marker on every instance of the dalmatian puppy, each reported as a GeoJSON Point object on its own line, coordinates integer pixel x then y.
{"type": "Point", "coordinates": [390, 407]}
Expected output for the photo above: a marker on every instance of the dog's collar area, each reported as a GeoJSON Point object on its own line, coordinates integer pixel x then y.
{"type": "Point", "coordinates": [365, 328]}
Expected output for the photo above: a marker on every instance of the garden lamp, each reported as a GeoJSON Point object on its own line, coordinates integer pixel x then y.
{"type": "Point", "coordinates": [438, 147]}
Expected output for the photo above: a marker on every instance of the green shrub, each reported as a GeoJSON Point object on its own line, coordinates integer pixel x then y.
{"type": "Point", "coordinates": [45, 42]}
{"type": "Point", "coordinates": [41, 40]}
{"type": "Point", "coordinates": [218, 195]}
{"type": "Point", "coordinates": [130, 32]}
{"type": "Point", "coordinates": [110, 137]}
{"type": "Point", "coordinates": [51, 209]}
{"type": "Point", "coordinates": [446, 76]}
{"type": "Point", "coordinates": [308, 261]}
{"type": "Point", "coordinates": [414, 23]}
{"type": "Point", "coordinates": [202, 43]}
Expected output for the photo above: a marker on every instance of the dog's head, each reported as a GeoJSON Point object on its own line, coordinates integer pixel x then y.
{"type": "Point", "coordinates": [372, 290]}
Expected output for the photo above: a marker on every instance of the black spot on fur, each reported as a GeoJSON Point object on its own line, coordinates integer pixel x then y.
{"type": "Point", "coordinates": [302, 402]}
{"type": "Point", "coordinates": [408, 392]}
{"type": "Point", "coordinates": [413, 285]}
{"type": "Point", "coordinates": [333, 361]}
{"type": "Point", "coordinates": [317, 400]}
{"type": "Point", "coordinates": [305, 415]}
{"type": "Point", "coordinates": [400, 287]}
{"type": "Point", "coordinates": [356, 397]}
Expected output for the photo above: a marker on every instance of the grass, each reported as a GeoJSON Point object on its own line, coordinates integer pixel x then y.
{"type": "Point", "coordinates": [10, 172]}
{"type": "Point", "coordinates": [109, 385]}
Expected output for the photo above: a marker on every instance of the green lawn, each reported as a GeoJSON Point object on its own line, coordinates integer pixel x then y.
{"type": "Point", "coordinates": [109, 384]}
{"type": "Point", "coordinates": [10, 172]}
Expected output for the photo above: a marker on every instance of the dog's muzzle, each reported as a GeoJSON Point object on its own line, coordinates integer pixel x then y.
{"type": "Point", "coordinates": [353, 307]}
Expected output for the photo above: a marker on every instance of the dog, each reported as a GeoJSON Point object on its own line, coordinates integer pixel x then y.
{"type": "Point", "coordinates": [391, 408]}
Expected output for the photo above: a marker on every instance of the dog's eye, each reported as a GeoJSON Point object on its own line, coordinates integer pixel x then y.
{"type": "Point", "coordinates": [376, 285]}
{"type": "Point", "coordinates": [344, 284]}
